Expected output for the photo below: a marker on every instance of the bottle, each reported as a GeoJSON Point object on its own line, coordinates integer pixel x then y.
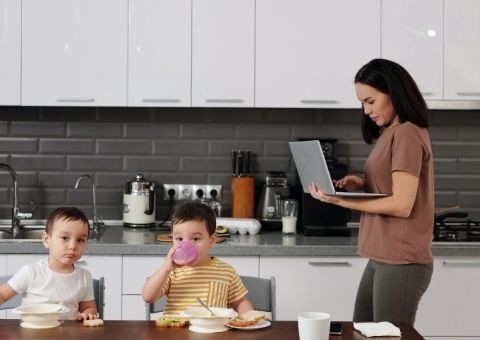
{"type": "Point", "coordinates": [186, 253]}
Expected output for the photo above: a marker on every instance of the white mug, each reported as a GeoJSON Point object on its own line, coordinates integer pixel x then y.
{"type": "Point", "coordinates": [313, 326]}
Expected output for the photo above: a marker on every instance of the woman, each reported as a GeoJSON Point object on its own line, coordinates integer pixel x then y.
{"type": "Point", "coordinates": [396, 230]}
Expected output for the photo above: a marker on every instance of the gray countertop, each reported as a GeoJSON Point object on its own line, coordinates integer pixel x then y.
{"type": "Point", "coordinates": [117, 240]}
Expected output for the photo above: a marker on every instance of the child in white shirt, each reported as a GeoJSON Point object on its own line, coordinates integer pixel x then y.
{"type": "Point", "coordinates": [56, 279]}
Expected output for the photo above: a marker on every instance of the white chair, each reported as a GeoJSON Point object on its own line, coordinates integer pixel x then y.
{"type": "Point", "coordinates": [261, 293]}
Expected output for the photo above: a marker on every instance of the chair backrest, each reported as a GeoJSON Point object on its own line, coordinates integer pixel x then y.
{"type": "Point", "coordinates": [156, 307]}
{"type": "Point", "coordinates": [99, 293]}
{"type": "Point", "coordinates": [261, 293]}
{"type": "Point", "coordinates": [13, 302]}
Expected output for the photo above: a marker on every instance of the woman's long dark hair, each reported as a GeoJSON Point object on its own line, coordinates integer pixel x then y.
{"type": "Point", "coordinates": [392, 79]}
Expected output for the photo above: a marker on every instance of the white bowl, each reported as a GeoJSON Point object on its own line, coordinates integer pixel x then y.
{"type": "Point", "coordinates": [41, 314]}
{"type": "Point", "coordinates": [201, 318]}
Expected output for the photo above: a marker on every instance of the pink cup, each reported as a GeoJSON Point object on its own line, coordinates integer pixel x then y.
{"type": "Point", "coordinates": [186, 253]}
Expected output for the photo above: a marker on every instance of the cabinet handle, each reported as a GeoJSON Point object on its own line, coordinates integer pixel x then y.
{"type": "Point", "coordinates": [319, 101]}
{"type": "Point", "coordinates": [427, 94]}
{"type": "Point", "coordinates": [75, 100]}
{"type": "Point", "coordinates": [224, 101]}
{"type": "Point", "coordinates": [330, 264]}
{"type": "Point", "coordinates": [160, 100]}
{"type": "Point", "coordinates": [468, 94]}
{"type": "Point", "coordinates": [461, 264]}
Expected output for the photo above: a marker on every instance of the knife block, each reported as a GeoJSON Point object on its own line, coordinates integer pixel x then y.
{"type": "Point", "coordinates": [242, 196]}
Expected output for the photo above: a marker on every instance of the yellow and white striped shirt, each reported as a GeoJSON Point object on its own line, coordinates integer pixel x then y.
{"type": "Point", "coordinates": [216, 283]}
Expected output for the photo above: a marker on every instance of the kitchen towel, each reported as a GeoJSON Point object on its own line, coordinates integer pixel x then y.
{"type": "Point", "coordinates": [370, 329]}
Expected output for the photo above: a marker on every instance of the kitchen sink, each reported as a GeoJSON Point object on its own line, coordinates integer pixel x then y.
{"type": "Point", "coordinates": [31, 234]}
{"type": "Point", "coordinates": [5, 234]}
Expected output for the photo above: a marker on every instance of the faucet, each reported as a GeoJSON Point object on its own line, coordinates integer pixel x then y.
{"type": "Point", "coordinates": [17, 215]}
{"type": "Point", "coordinates": [96, 223]}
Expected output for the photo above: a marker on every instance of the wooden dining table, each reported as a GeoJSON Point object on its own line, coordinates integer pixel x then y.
{"type": "Point", "coordinates": [148, 330]}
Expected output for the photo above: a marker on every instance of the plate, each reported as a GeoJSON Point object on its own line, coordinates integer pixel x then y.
{"type": "Point", "coordinates": [260, 324]}
{"type": "Point", "coordinates": [39, 326]}
{"type": "Point", "coordinates": [207, 330]}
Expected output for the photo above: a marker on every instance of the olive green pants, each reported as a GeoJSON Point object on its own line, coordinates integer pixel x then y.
{"type": "Point", "coordinates": [390, 292]}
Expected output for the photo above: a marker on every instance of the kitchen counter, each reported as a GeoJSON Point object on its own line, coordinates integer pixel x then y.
{"type": "Point", "coordinates": [117, 240]}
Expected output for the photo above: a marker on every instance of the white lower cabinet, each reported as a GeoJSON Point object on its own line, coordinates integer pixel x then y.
{"type": "Point", "coordinates": [322, 284]}
{"type": "Point", "coordinates": [107, 266]}
{"type": "Point", "coordinates": [450, 306]}
{"type": "Point", "coordinates": [3, 265]}
{"type": "Point", "coordinates": [110, 267]}
{"type": "Point", "coordinates": [137, 268]}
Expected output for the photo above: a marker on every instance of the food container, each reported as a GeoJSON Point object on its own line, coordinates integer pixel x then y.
{"type": "Point", "coordinates": [40, 315]}
{"type": "Point", "coordinates": [203, 322]}
{"type": "Point", "coordinates": [241, 226]}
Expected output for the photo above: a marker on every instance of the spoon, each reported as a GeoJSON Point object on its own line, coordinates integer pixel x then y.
{"type": "Point", "coordinates": [204, 305]}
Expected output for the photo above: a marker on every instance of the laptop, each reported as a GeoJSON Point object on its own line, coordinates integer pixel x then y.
{"type": "Point", "coordinates": [312, 168]}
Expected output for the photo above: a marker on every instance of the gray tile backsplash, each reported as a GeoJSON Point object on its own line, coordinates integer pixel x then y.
{"type": "Point", "coordinates": [50, 147]}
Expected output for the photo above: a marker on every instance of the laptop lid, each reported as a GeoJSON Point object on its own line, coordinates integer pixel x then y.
{"type": "Point", "coordinates": [312, 168]}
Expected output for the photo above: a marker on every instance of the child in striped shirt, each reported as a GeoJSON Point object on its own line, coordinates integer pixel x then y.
{"type": "Point", "coordinates": [212, 280]}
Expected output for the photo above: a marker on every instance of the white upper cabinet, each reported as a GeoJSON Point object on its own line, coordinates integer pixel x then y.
{"type": "Point", "coordinates": [223, 53]}
{"type": "Point", "coordinates": [10, 40]}
{"type": "Point", "coordinates": [308, 51]}
{"type": "Point", "coordinates": [74, 52]}
{"type": "Point", "coordinates": [462, 50]}
{"type": "Point", "coordinates": [159, 52]}
{"type": "Point", "coordinates": [412, 35]}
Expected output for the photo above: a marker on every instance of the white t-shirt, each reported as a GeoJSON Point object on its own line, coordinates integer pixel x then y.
{"type": "Point", "coordinates": [37, 283]}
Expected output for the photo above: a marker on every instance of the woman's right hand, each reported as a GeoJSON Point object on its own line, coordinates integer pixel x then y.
{"type": "Point", "coordinates": [350, 183]}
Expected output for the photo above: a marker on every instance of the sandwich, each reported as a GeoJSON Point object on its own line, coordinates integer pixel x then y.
{"type": "Point", "coordinates": [171, 321]}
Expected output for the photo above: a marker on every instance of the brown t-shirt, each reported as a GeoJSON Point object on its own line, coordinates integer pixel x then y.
{"type": "Point", "coordinates": [395, 240]}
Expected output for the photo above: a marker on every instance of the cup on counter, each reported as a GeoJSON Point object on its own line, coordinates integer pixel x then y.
{"type": "Point", "coordinates": [289, 212]}
{"type": "Point", "coordinates": [313, 326]}
{"type": "Point", "coordinates": [289, 240]}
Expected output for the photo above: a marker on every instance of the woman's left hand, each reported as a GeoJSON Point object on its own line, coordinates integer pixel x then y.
{"type": "Point", "coordinates": [321, 196]}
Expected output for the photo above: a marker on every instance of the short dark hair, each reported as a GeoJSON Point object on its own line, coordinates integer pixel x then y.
{"type": "Point", "coordinates": [66, 214]}
{"type": "Point", "coordinates": [195, 211]}
{"type": "Point", "coordinates": [392, 79]}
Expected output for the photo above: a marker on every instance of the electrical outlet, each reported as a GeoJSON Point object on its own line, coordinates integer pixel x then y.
{"type": "Point", "coordinates": [184, 192]}
{"type": "Point", "coordinates": [212, 188]}
{"type": "Point", "coordinates": [198, 191]}
{"type": "Point", "coordinates": [166, 188]}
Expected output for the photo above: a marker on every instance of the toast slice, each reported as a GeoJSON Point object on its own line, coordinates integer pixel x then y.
{"type": "Point", "coordinates": [247, 319]}
{"type": "Point", "coordinates": [93, 323]}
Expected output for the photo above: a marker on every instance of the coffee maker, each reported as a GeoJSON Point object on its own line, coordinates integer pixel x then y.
{"type": "Point", "coordinates": [317, 218]}
{"type": "Point", "coordinates": [268, 210]}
